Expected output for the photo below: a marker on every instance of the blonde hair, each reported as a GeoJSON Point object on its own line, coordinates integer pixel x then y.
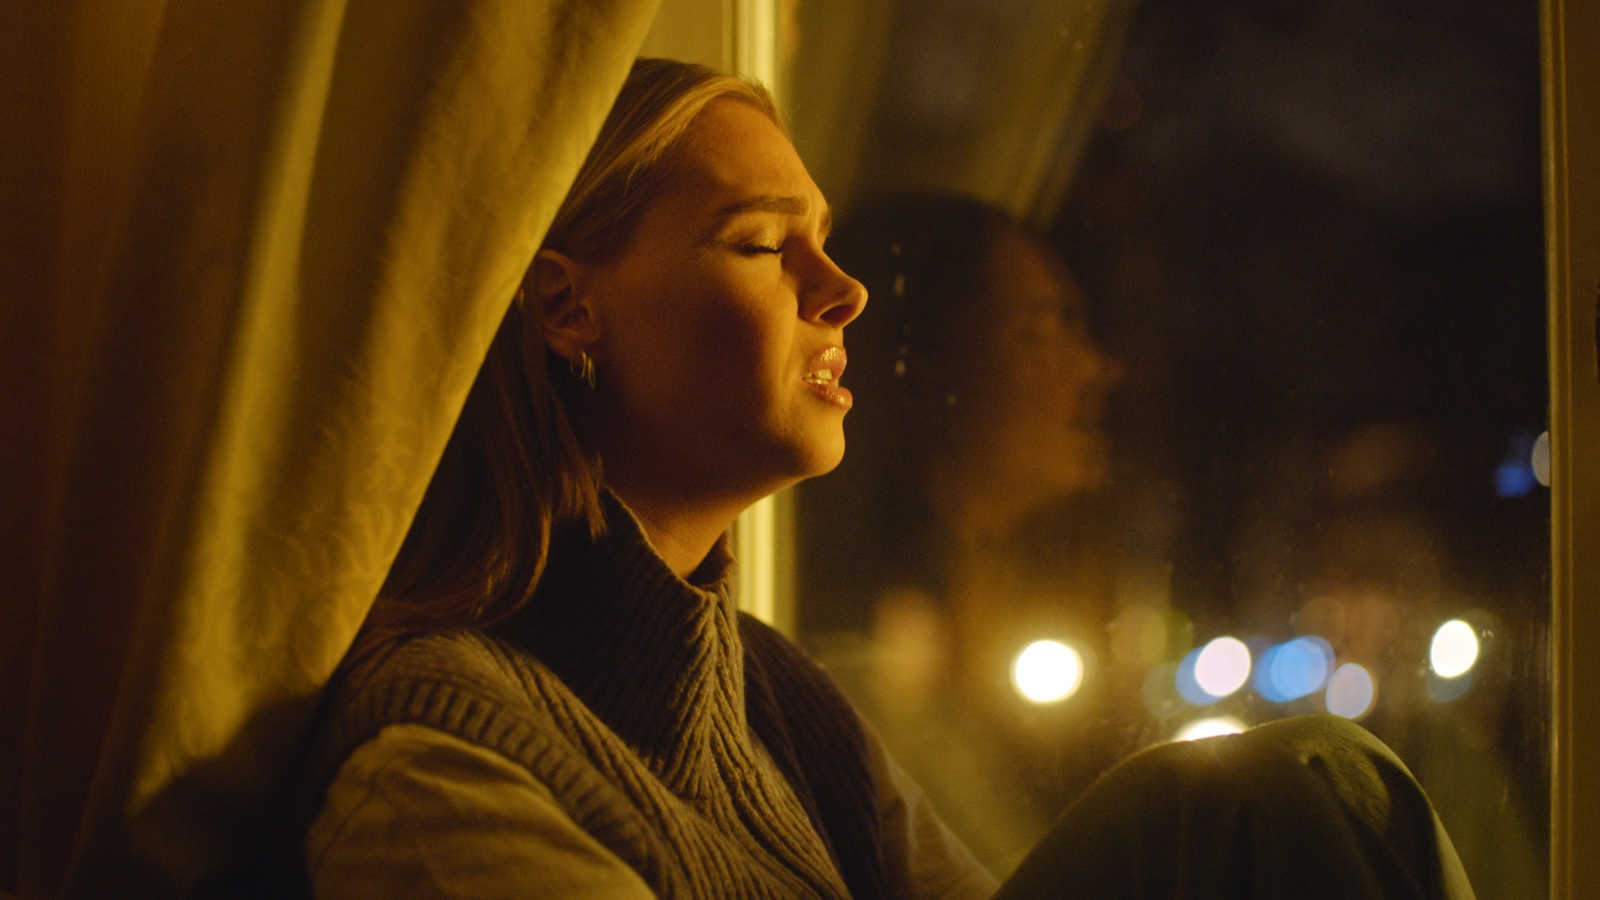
{"type": "Point", "coordinates": [519, 464]}
{"type": "Point", "coordinates": [657, 104]}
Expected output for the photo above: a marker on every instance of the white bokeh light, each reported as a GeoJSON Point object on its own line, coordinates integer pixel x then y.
{"type": "Point", "coordinates": [1540, 459]}
{"type": "Point", "coordinates": [1222, 667]}
{"type": "Point", "coordinates": [1351, 691]}
{"type": "Point", "coordinates": [1454, 649]}
{"type": "Point", "coordinates": [1047, 671]}
{"type": "Point", "coordinates": [1210, 727]}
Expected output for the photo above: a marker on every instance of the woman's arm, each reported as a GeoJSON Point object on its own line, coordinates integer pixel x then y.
{"type": "Point", "coordinates": [419, 813]}
{"type": "Point", "coordinates": [416, 812]}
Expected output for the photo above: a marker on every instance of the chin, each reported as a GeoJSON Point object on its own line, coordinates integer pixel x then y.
{"type": "Point", "coordinates": [822, 464]}
{"type": "Point", "coordinates": [819, 458]}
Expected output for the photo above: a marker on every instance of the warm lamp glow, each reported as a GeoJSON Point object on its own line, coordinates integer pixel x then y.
{"type": "Point", "coordinates": [1211, 727]}
{"type": "Point", "coordinates": [1047, 671]}
{"type": "Point", "coordinates": [1454, 650]}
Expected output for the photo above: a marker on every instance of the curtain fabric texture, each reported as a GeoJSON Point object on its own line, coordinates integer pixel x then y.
{"type": "Point", "coordinates": [252, 257]}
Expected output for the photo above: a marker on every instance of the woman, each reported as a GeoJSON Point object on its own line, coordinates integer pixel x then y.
{"type": "Point", "coordinates": [555, 696]}
{"type": "Point", "coordinates": [606, 724]}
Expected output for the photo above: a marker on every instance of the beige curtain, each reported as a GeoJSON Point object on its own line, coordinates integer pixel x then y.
{"type": "Point", "coordinates": [988, 99]}
{"type": "Point", "coordinates": [252, 255]}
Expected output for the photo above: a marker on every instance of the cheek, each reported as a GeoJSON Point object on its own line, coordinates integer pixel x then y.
{"type": "Point", "coordinates": [1043, 397]}
{"type": "Point", "coordinates": [737, 346]}
{"type": "Point", "coordinates": [728, 328]}
{"type": "Point", "coordinates": [732, 353]}
{"type": "Point", "coordinates": [1064, 377]}
{"type": "Point", "coordinates": [671, 328]}
{"type": "Point", "coordinates": [1034, 381]}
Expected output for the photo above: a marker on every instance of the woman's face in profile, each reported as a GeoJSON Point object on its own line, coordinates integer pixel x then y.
{"type": "Point", "coordinates": [1040, 378]}
{"type": "Point", "coordinates": [722, 321]}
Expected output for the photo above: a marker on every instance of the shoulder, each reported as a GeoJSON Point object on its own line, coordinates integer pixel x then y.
{"type": "Point", "coordinates": [424, 813]}
{"type": "Point", "coordinates": [467, 684]}
{"type": "Point", "coordinates": [418, 680]}
{"type": "Point", "coordinates": [462, 682]}
{"type": "Point", "coordinates": [471, 659]}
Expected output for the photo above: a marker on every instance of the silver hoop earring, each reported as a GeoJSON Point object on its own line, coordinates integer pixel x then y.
{"type": "Point", "coordinates": [583, 369]}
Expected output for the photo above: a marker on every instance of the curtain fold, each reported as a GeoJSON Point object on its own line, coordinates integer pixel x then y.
{"type": "Point", "coordinates": [253, 255]}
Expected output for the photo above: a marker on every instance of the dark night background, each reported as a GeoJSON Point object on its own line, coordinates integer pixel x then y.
{"type": "Point", "coordinates": [1301, 220]}
{"type": "Point", "coordinates": [1323, 215]}
{"type": "Point", "coordinates": [1311, 232]}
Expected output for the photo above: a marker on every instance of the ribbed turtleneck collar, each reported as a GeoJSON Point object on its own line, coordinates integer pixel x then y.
{"type": "Point", "coordinates": [656, 658]}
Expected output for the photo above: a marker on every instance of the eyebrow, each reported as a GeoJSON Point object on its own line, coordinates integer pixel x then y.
{"type": "Point", "coordinates": [785, 204]}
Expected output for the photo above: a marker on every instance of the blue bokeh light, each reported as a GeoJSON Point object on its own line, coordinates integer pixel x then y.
{"type": "Point", "coordinates": [1514, 479]}
{"type": "Point", "coordinates": [1515, 476]}
{"type": "Point", "coordinates": [1188, 688]}
{"type": "Point", "coordinates": [1294, 669]}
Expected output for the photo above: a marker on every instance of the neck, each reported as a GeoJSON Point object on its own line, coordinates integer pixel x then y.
{"type": "Point", "coordinates": [681, 531]}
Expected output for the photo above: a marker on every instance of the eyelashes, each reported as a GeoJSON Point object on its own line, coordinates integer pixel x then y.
{"type": "Point", "coordinates": [760, 249]}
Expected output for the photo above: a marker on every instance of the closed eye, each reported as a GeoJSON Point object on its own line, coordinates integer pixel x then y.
{"type": "Point", "coordinates": [759, 249]}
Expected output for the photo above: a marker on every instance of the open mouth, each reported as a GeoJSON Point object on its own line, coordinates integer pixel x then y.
{"type": "Point", "coordinates": [826, 365]}
{"type": "Point", "coordinates": [822, 375]}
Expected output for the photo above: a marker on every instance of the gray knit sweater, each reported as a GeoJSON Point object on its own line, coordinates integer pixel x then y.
{"type": "Point", "coordinates": [703, 749]}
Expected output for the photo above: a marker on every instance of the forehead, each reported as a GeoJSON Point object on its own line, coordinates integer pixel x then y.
{"type": "Point", "coordinates": [732, 150]}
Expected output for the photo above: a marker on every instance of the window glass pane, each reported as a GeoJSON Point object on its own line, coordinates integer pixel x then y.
{"type": "Point", "coordinates": [1244, 414]}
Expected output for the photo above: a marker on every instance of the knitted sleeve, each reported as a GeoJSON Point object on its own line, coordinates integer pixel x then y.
{"type": "Point", "coordinates": [416, 812]}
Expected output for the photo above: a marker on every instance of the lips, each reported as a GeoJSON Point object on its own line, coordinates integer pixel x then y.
{"type": "Point", "coordinates": [822, 376]}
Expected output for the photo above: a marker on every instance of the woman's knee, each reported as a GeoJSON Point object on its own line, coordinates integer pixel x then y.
{"type": "Point", "coordinates": [1314, 803]}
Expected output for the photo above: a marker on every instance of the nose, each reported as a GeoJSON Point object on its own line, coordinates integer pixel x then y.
{"type": "Point", "coordinates": [836, 298]}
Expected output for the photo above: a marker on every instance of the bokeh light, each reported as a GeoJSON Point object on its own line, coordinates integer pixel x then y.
{"type": "Point", "coordinates": [1351, 691]}
{"type": "Point", "coordinates": [1047, 671]}
{"type": "Point", "coordinates": [1213, 726]}
{"type": "Point", "coordinates": [1446, 690]}
{"type": "Point", "coordinates": [1540, 458]}
{"type": "Point", "coordinates": [1222, 667]}
{"type": "Point", "coordinates": [1515, 476]}
{"type": "Point", "coordinates": [1514, 479]}
{"type": "Point", "coordinates": [1454, 650]}
{"type": "Point", "coordinates": [1188, 688]}
{"type": "Point", "coordinates": [1293, 669]}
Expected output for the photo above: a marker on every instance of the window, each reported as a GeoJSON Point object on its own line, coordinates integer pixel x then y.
{"type": "Point", "coordinates": [1245, 418]}
{"type": "Point", "coordinates": [833, 60]}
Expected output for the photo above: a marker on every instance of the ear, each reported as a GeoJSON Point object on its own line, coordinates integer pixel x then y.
{"type": "Point", "coordinates": [564, 310]}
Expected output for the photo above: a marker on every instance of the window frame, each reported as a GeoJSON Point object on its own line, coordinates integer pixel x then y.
{"type": "Point", "coordinates": [1571, 74]}
{"type": "Point", "coordinates": [741, 36]}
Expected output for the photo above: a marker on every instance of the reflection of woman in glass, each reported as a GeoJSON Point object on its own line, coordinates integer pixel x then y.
{"type": "Point", "coordinates": [556, 696]}
{"type": "Point", "coordinates": [962, 525]}
{"type": "Point", "coordinates": [980, 394]}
